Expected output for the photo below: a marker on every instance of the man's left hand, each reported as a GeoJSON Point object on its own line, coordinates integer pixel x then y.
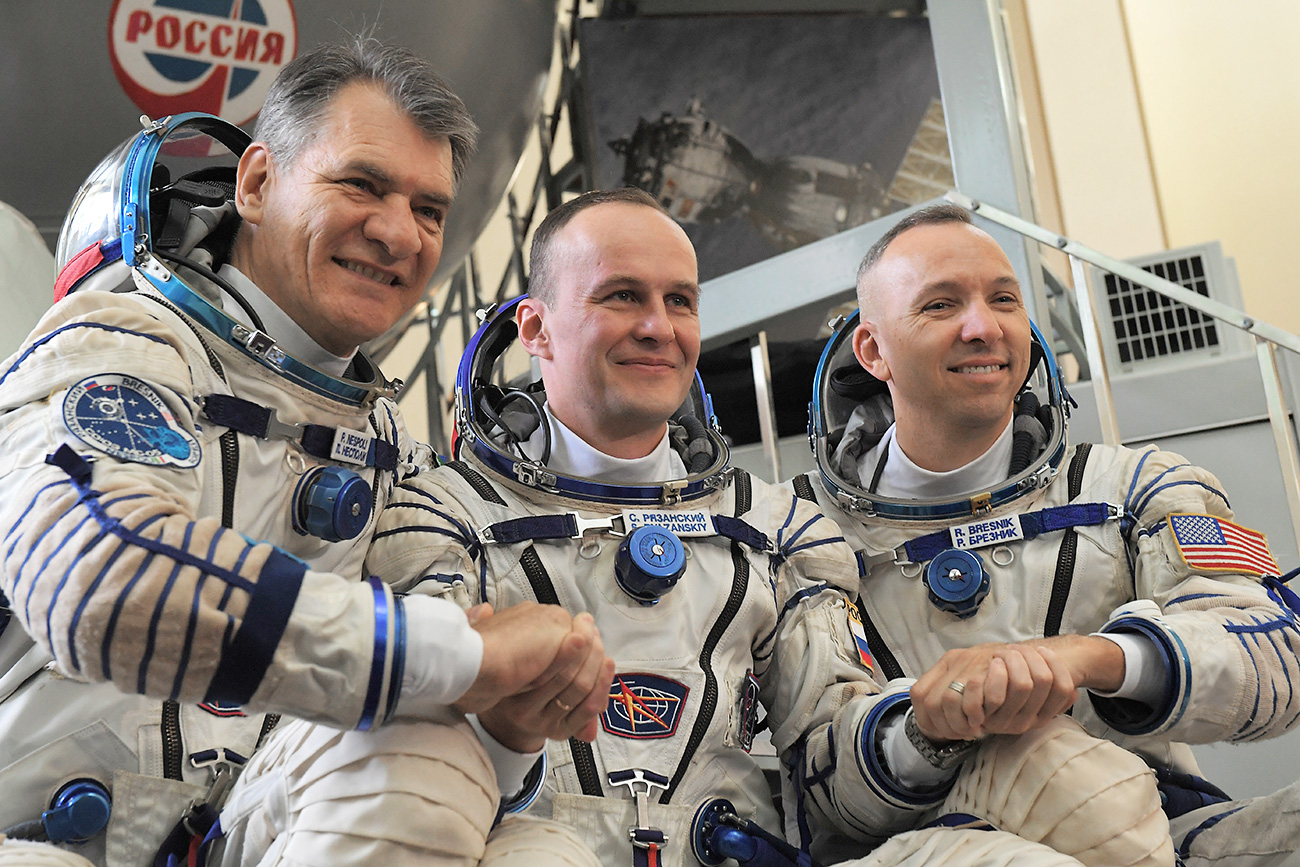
{"type": "Point", "coordinates": [565, 703]}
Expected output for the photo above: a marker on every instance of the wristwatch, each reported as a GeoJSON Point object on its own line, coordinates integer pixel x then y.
{"type": "Point", "coordinates": [940, 754]}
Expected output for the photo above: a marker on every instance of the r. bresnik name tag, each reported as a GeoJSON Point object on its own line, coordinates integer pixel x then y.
{"type": "Point", "coordinates": [990, 531]}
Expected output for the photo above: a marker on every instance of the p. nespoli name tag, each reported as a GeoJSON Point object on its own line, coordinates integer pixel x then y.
{"type": "Point", "coordinates": [990, 531]}
{"type": "Point", "coordinates": [681, 524]}
{"type": "Point", "coordinates": [350, 447]}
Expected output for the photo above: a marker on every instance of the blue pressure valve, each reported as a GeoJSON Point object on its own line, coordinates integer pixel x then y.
{"type": "Point", "coordinates": [956, 582]}
{"type": "Point", "coordinates": [331, 503]}
{"type": "Point", "coordinates": [78, 812]}
{"type": "Point", "coordinates": [648, 563]}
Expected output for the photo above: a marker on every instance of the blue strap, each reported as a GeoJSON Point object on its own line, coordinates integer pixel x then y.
{"type": "Point", "coordinates": [1033, 524]}
{"type": "Point", "coordinates": [738, 531]}
{"type": "Point", "coordinates": [316, 440]}
{"type": "Point", "coordinates": [533, 527]}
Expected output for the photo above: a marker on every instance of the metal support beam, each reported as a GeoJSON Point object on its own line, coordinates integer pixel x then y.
{"type": "Point", "coordinates": [982, 112]}
{"type": "Point", "coordinates": [766, 402]}
{"type": "Point", "coordinates": [1283, 434]}
{"type": "Point", "coordinates": [1225, 313]}
{"type": "Point", "coordinates": [1096, 355]}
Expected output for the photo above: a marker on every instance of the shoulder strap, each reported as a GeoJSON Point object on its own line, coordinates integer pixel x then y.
{"type": "Point", "coordinates": [1064, 577]}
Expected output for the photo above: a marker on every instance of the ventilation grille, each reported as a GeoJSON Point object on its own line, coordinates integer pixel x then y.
{"type": "Point", "coordinates": [1148, 329]}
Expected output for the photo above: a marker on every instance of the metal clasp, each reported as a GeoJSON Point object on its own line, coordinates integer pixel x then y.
{"type": "Point", "coordinates": [277, 428]}
{"type": "Point", "coordinates": [535, 475]}
{"type": "Point", "coordinates": [672, 492]}
{"type": "Point", "coordinates": [613, 525]}
{"type": "Point", "coordinates": [981, 504]}
{"type": "Point", "coordinates": [257, 342]}
{"type": "Point", "coordinates": [641, 783]}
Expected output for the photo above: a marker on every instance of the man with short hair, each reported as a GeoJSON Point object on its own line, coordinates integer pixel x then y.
{"type": "Point", "coordinates": [193, 472]}
{"type": "Point", "coordinates": [605, 489]}
{"type": "Point", "coordinates": [1014, 576]}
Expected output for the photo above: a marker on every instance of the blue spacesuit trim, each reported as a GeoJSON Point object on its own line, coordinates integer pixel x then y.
{"type": "Point", "coordinates": [873, 770]}
{"type": "Point", "coordinates": [31, 588]}
{"type": "Point", "coordinates": [152, 634]}
{"type": "Point", "coordinates": [1137, 474]}
{"type": "Point", "coordinates": [191, 625]}
{"type": "Point", "coordinates": [399, 657]}
{"type": "Point", "coordinates": [13, 531]}
{"type": "Point", "coordinates": [1192, 597]}
{"type": "Point", "coordinates": [1134, 718]}
{"type": "Point", "coordinates": [533, 783]}
{"type": "Point", "coordinates": [56, 332]}
{"type": "Point", "coordinates": [247, 657]}
{"type": "Point", "coordinates": [1185, 848]}
{"type": "Point", "coordinates": [805, 593]}
{"type": "Point", "coordinates": [1283, 595]}
{"type": "Point", "coordinates": [377, 662]}
{"type": "Point", "coordinates": [238, 568]}
{"type": "Point", "coordinates": [468, 537]}
{"type": "Point", "coordinates": [110, 629]}
{"type": "Point", "coordinates": [85, 599]}
{"type": "Point", "coordinates": [1154, 487]}
{"type": "Point", "coordinates": [1259, 628]}
{"type": "Point", "coordinates": [1254, 708]}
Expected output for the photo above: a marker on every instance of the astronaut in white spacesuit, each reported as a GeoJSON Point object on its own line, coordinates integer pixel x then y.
{"type": "Point", "coordinates": [605, 488]}
{"type": "Point", "coordinates": [1013, 574]}
{"type": "Point", "coordinates": [196, 454]}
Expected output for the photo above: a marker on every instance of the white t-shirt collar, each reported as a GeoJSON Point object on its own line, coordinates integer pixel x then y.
{"type": "Point", "coordinates": [903, 479]}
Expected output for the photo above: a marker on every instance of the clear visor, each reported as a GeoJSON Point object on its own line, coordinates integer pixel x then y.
{"type": "Point", "coordinates": [96, 210]}
{"type": "Point", "coordinates": [187, 166]}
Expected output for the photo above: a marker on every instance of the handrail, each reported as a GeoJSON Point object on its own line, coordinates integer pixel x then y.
{"type": "Point", "coordinates": [1266, 336]}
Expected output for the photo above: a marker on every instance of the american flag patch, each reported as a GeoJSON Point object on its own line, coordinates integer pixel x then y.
{"type": "Point", "coordinates": [1214, 545]}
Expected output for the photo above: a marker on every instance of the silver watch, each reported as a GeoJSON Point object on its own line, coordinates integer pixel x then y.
{"type": "Point", "coordinates": [940, 754]}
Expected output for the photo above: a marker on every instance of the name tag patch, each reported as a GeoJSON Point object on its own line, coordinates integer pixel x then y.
{"type": "Point", "coordinates": [681, 524]}
{"type": "Point", "coordinates": [990, 531]}
{"type": "Point", "coordinates": [860, 638]}
{"type": "Point", "coordinates": [350, 447]}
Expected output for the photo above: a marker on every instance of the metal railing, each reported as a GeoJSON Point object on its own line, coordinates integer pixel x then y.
{"type": "Point", "coordinates": [1266, 337]}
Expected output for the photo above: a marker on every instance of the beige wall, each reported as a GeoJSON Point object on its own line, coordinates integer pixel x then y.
{"type": "Point", "coordinates": [1173, 122]}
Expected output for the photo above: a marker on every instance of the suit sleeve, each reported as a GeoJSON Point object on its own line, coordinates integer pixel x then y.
{"type": "Point", "coordinates": [826, 708]}
{"type": "Point", "coordinates": [107, 564]}
{"type": "Point", "coordinates": [1208, 600]}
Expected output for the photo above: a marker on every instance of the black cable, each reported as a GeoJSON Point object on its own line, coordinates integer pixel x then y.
{"type": "Point", "coordinates": [33, 831]}
{"type": "Point", "coordinates": [541, 421]}
{"type": "Point", "coordinates": [207, 273]}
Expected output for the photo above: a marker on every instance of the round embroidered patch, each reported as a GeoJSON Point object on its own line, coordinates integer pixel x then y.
{"type": "Point", "coordinates": [125, 418]}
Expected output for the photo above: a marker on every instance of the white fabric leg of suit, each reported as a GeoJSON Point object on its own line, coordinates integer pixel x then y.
{"type": "Point", "coordinates": [960, 847]}
{"type": "Point", "coordinates": [1252, 833]}
{"type": "Point", "coordinates": [22, 853]}
{"type": "Point", "coordinates": [1060, 786]}
{"type": "Point", "coordinates": [315, 795]}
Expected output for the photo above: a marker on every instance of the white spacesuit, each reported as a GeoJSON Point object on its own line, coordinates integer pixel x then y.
{"type": "Point", "coordinates": [187, 509]}
{"type": "Point", "coordinates": [1074, 539]}
{"type": "Point", "coordinates": [718, 596]}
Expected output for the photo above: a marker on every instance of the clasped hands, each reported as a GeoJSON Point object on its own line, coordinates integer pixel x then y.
{"type": "Point", "coordinates": [1011, 688]}
{"type": "Point", "coordinates": [544, 675]}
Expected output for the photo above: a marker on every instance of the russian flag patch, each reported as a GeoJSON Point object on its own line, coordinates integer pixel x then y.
{"type": "Point", "coordinates": [1212, 544]}
{"type": "Point", "coordinates": [860, 638]}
